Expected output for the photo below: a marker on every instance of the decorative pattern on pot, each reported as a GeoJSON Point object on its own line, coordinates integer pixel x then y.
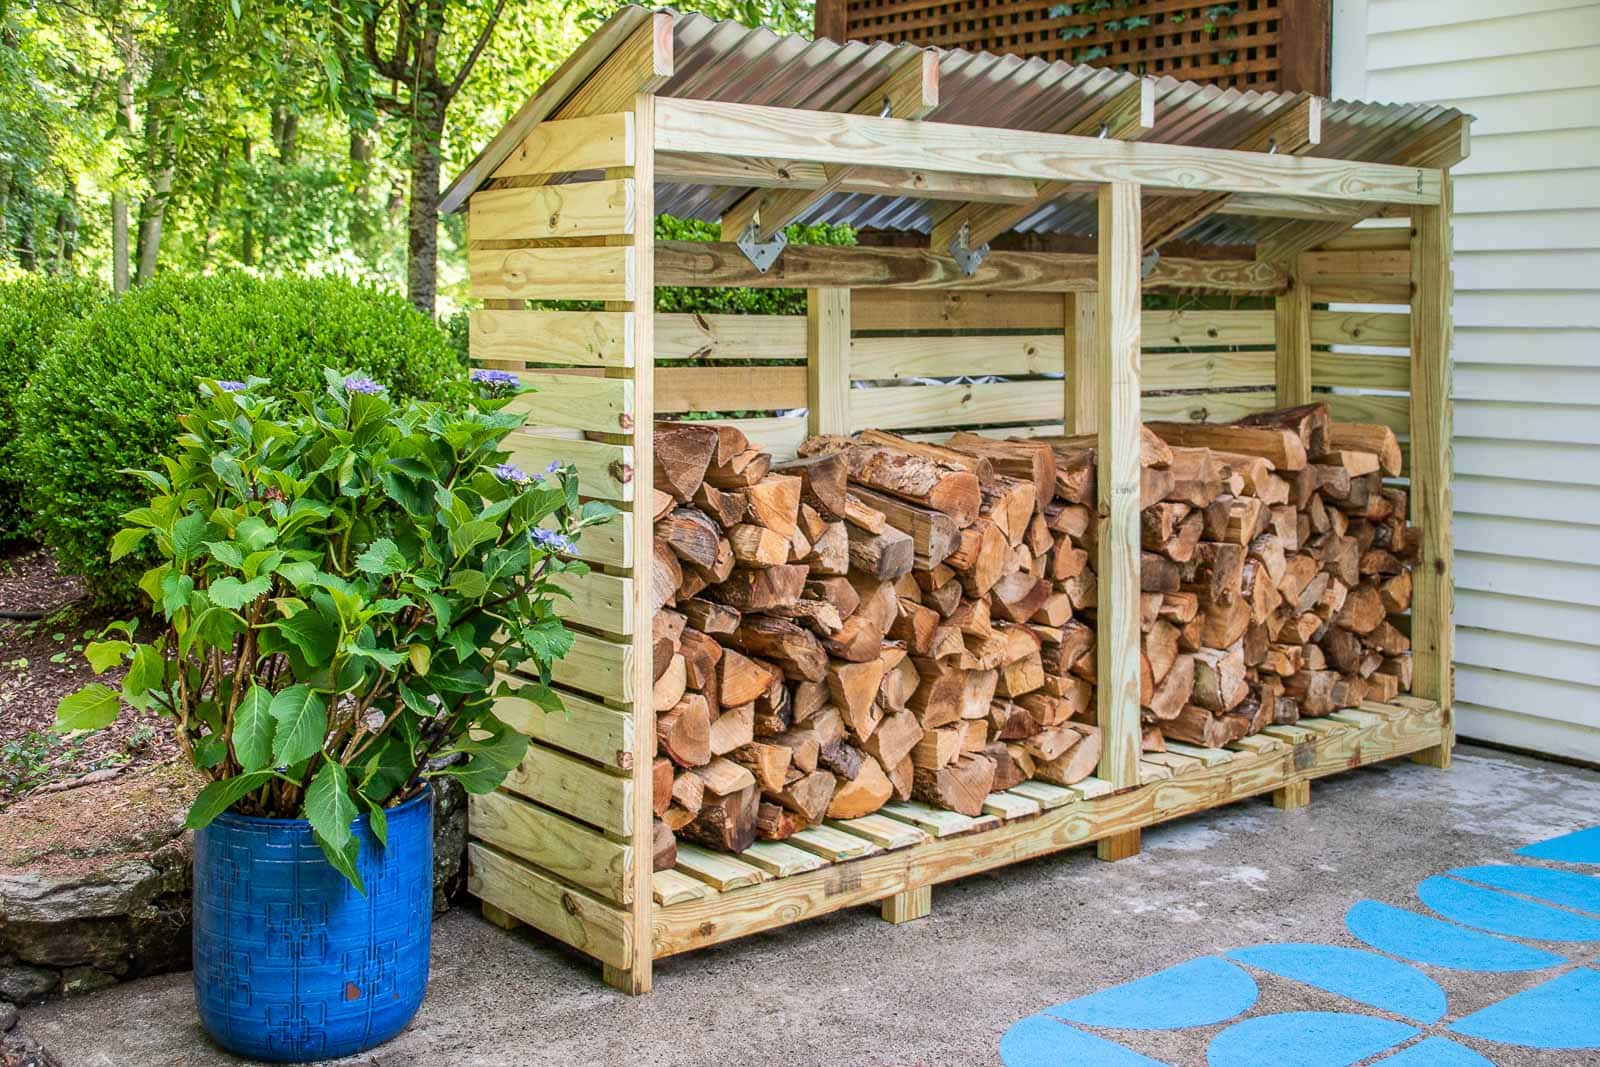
{"type": "Point", "coordinates": [291, 962]}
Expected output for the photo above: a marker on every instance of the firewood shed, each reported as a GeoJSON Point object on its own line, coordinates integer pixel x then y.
{"type": "Point", "coordinates": [1013, 218]}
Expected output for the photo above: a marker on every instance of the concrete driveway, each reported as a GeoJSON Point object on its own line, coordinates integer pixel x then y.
{"type": "Point", "coordinates": [850, 989]}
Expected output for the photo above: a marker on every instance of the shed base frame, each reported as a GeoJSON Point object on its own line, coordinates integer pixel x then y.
{"type": "Point", "coordinates": [1280, 761]}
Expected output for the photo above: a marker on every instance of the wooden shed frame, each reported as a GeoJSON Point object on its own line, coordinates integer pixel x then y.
{"type": "Point", "coordinates": [566, 845]}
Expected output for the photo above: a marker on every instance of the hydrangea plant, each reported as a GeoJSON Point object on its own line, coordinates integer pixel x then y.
{"type": "Point", "coordinates": [345, 586]}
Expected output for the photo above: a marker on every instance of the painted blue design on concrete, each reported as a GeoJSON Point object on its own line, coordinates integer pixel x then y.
{"type": "Point", "coordinates": [1365, 977]}
{"type": "Point", "coordinates": [1580, 846]}
{"type": "Point", "coordinates": [1498, 913]}
{"type": "Point", "coordinates": [1422, 939]}
{"type": "Point", "coordinates": [1040, 1041]}
{"type": "Point", "coordinates": [1563, 888]}
{"type": "Point", "coordinates": [1197, 993]}
{"type": "Point", "coordinates": [1563, 1013]}
{"type": "Point", "coordinates": [1306, 1039]}
{"type": "Point", "coordinates": [1437, 1052]}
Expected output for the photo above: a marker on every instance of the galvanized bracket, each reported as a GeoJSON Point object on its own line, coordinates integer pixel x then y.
{"type": "Point", "coordinates": [761, 254]}
{"type": "Point", "coordinates": [966, 257]}
{"type": "Point", "coordinates": [1147, 263]}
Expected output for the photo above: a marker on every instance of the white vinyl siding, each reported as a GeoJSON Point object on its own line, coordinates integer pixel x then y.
{"type": "Point", "coordinates": [1527, 350]}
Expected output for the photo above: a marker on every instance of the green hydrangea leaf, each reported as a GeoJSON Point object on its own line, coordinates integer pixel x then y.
{"type": "Point", "coordinates": [103, 655]}
{"type": "Point", "coordinates": [94, 707]}
{"type": "Point", "coordinates": [253, 729]}
{"type": "Point", "coordinates": [221, 795]}
{"type": "Point", "coordinates": [126, 541]}
{"type": "Point", "coordinates": [302, 718]}
{"type": "Point", "coordinates": [231, 593]}
{"type": "Point", "coordinates": [382, 557]}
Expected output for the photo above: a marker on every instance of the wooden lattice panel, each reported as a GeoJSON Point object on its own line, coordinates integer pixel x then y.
{"type": "Point", "coordinates": [1247, 44]}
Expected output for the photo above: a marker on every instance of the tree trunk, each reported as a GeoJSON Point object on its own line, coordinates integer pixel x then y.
{"type": "Point", "coordinates": [152, 213]}
{"type": "Point", "coordinates": [119, 197]}
{"type": "Point", "coordinates": [362, 225]}
{"type": "Point", "coordinates": [247, 231]}
{"type": "Point", "coordinates": [422, 247]}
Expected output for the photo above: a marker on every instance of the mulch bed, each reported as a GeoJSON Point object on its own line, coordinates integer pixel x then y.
{"type": "Point", "coordinates": [41, 661]}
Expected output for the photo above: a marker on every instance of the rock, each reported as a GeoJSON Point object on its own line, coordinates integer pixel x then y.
{"type": "Point", "coordinates": [22, 984]}
{"type": "Point", "coordinates": [19, 1050]}
{"type": "Point", "coordinates": [75, 980]}
{"type": "Point", "coordinates": [449, 842]}
{"type": "Point", "coordinates": [8, 1016]}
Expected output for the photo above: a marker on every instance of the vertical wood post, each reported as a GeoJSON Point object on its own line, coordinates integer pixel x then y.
{"type": "Point", "coordinates": [1431, 463]}
{"type": "Point", "coordinates": [1117, 480]}
{"type": "Point", "coordinates": [636, 977]}
{"type": "Point", "coordinates": [1292, 337]}
{"type": "Point", "coordinates": [830, 20]}
{"type": "Point", "coordinates": [1082, 348]}
{"type": "Point", "coordinates": [828, 361]}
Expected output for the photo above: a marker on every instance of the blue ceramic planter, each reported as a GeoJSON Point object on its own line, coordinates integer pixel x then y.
{"type": "Point", "coordinates": [290, 962]}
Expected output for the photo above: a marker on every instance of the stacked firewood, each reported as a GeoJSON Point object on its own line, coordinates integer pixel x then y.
{"type": "Point", "coordinates": [885, 618]}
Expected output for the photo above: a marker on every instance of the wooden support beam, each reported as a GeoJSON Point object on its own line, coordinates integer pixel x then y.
{"type": "Point", "coordinates": [1292, 795]}
{"type": "Point", "coordinates": [909, 91]}
{"type": "Point", "coordinates": [912, 904]}
{"type": "Point", "coordinates": [1432, 638]}
{"type": "Point", "coordinates": [828, 360]}
{"type": "Point", "coordinates": [1120, 846]}
{"type": "Point", "coordinates": [692, 169]}
{"type": "Point", "coordinates": [1290, 131]}
{"type": "Point", "coordinates": [1292, 340]}
{"type": "Point", "coordinates": [1082, 348]}
{"type": "Point", "coordinates": [1127, 116]}
{"type": "Point", "coordinates": [743, 130]}
{"type": "Point", "coordinates": [1117, 392]}
{"type": "Point", "coordinates": [722, 265]}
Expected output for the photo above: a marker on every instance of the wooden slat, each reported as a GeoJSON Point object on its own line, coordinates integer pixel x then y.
{"type": "Point", "coordinates": [881, 831]}
{"type": "Point", "coordinates": [1211, 757]}
{"type": "Point", "coordinates": [594, 142]}
{"type": "Point", "coordinates": [780, 859]}
{"type": "Point", "coordinates": [1205, 407]}
{"type": "Point", "coordinates": [918, 406]}
{"type": "Point", "coordinates": [936, 821]}
{"type": "Point", "coordinates": [784, 901]}
{"type": "Point", "coordinates": [1359, 290]}
{"type": "Point", "coordinates": [1375, 328]}
{"type": "Point", "coordinates": [601, 273]}
{"type": "Point", "coordinates": [578, 401]}
{"type": "Point", "coordinates": [583, 727]}
{"type": "Point", "coordinates": [1206, 370]}
{"type": "Point", "coordinates": [875, 358]}
{"type": "Point", "coordinates": [604, 470]}
{"type": "Point", "coordinates": [1257, 743]}
{"type": "Point", "coordinates": [831, 844]}
{"type": "Point", "coordinates": [1081, 387]}
{"type": "Point", "coordinates": [680, 389]}
{"type": "Point", "coordinates": [828, 360]}
{"type": "Point", "coordinates": [718, 870]}
{"type": "Point", "coordinates": [1202, 327]}
{"type": "Point", "coordinates": [555, 844]}
{"type": "Point", "coordinates": [597, 666]}
{"type": "Point", "coordinates": [1008, 806]}
{"type": "Point", "coordinates": [1292, 320]}
{"type": "Point", "coordinates": [585, 922]}
{"type": "Point", "coordinates": [609, 543]}
{"type": "Point", "coordinates": [675, 887]}
{"type": "Point", "coordinates": [1092, 787]}
{"type": "Point", "coordinates": [1046, 795]}
{"type": "Point", "coordinates": [574, 209]}
{"type": "Point", "coordinates": [718, 337]}
{"type": "Point", "coordinates": [575, 787]}
{"type": "Point", "coordinates": [1392, 411]}
{"type": "Point", "coordinates": [1356, 370]}
{"type": "Point", "coordinates": [822, 137]}
{"type": "Point", "coordinates": [884, 309]}
{"type": "Point", "coordinates": [565, 338]}
{"type": "Point", "coordinates": [1150, 771]}
{"type": "Point", "coordinates": [780, 436]}
{"type": "Point", "coordinates": [597, 600]}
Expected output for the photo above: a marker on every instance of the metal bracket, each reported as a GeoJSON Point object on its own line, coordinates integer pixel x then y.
{"type": "Point", "coordinates": [967, 258]}
{"type": "Point", "coordinates": [761, 254]}
{"type": "Point", "coordinates": [1147, 263]}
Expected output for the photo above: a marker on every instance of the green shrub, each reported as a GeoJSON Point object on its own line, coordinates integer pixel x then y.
{"type": "Point", "coordinates": [107, 396]}
{"type": "Point", "coordinates": [33, 309]}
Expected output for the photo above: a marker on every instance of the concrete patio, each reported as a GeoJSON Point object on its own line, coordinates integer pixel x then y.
{"type": "Point", "coordinates": [849, 989]}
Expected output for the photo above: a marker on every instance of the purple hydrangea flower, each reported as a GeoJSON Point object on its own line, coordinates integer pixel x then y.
{"type": "Point", "coordinates": [495, 379]}
{"type": "Point", "coordinates": [552, 470]}
{"type": "Point", "coordinates": [360, 383]}
{"type": "Point", "coordinates": [231, 386]}
{"type": "Point", "coordinates": [510, 472]}
{"type": "Point", "coordinates": [550, 540]}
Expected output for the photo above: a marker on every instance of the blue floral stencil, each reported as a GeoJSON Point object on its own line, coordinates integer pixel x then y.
{"type": "Point", "coordinates": [1486, 905]}
{"type": "Point", "coordinates": [1365, 977]}
{"type": "Point", "coordinates": [1305, 1039]}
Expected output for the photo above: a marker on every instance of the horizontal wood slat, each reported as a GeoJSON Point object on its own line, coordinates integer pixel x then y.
{"type": "Point", "coordinates": [600, 273]}
{"type": "Point", "coordinates": [882, 309]}
{"type": "Point", "coordinates": [583, 727]}
{"type": "Point", "coordinates": [604, 470]}
{"type": "Point", "coordinates": [1205, 407]}
{"type": "Point", "coordinates": [543, 212]}
{"type": "Point", "coordinates": [594, 142]}
{"type": "Point", "coordinates": [1391, 411]}
{"type": "Point", "coordinates": [577, 401]}
{"type": "Point", "coordinates": [1373, 328]}
{"type": "Point", "coordinates": [1354, 370]}
{"type": "Point", "coordinates": [566, 338]}
{"type": "Point", "coordinates": [597, 600]}
{"type": "Point", "coordinates": [717, 337]}
{"type": "Point", "coordinates": [723, 388]}
{"type": "Point", "coordinates": [576, 787]}
{"type": "Point", "coordinates": [554, 907]}
{"type": "Point", "coordinates": [558, 845]}
{"type": "Point", "coordinates": [597, 666]}
{"type": "Point", "coordinates": [926, 406]}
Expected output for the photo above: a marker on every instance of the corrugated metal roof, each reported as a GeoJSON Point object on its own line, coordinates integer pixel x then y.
{"type": "Point", "coordinates": [729, 62]}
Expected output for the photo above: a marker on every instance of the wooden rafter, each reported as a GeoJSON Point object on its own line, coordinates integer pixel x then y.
{"type": "Point", "coordinates": [909, 91]}
{"type": "Point", "coordinates": [1127, 116]}
{"type": "Point", "coordinates": [1442, 147]}
{"type": "Point", "coordinates": [1290, 131]}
